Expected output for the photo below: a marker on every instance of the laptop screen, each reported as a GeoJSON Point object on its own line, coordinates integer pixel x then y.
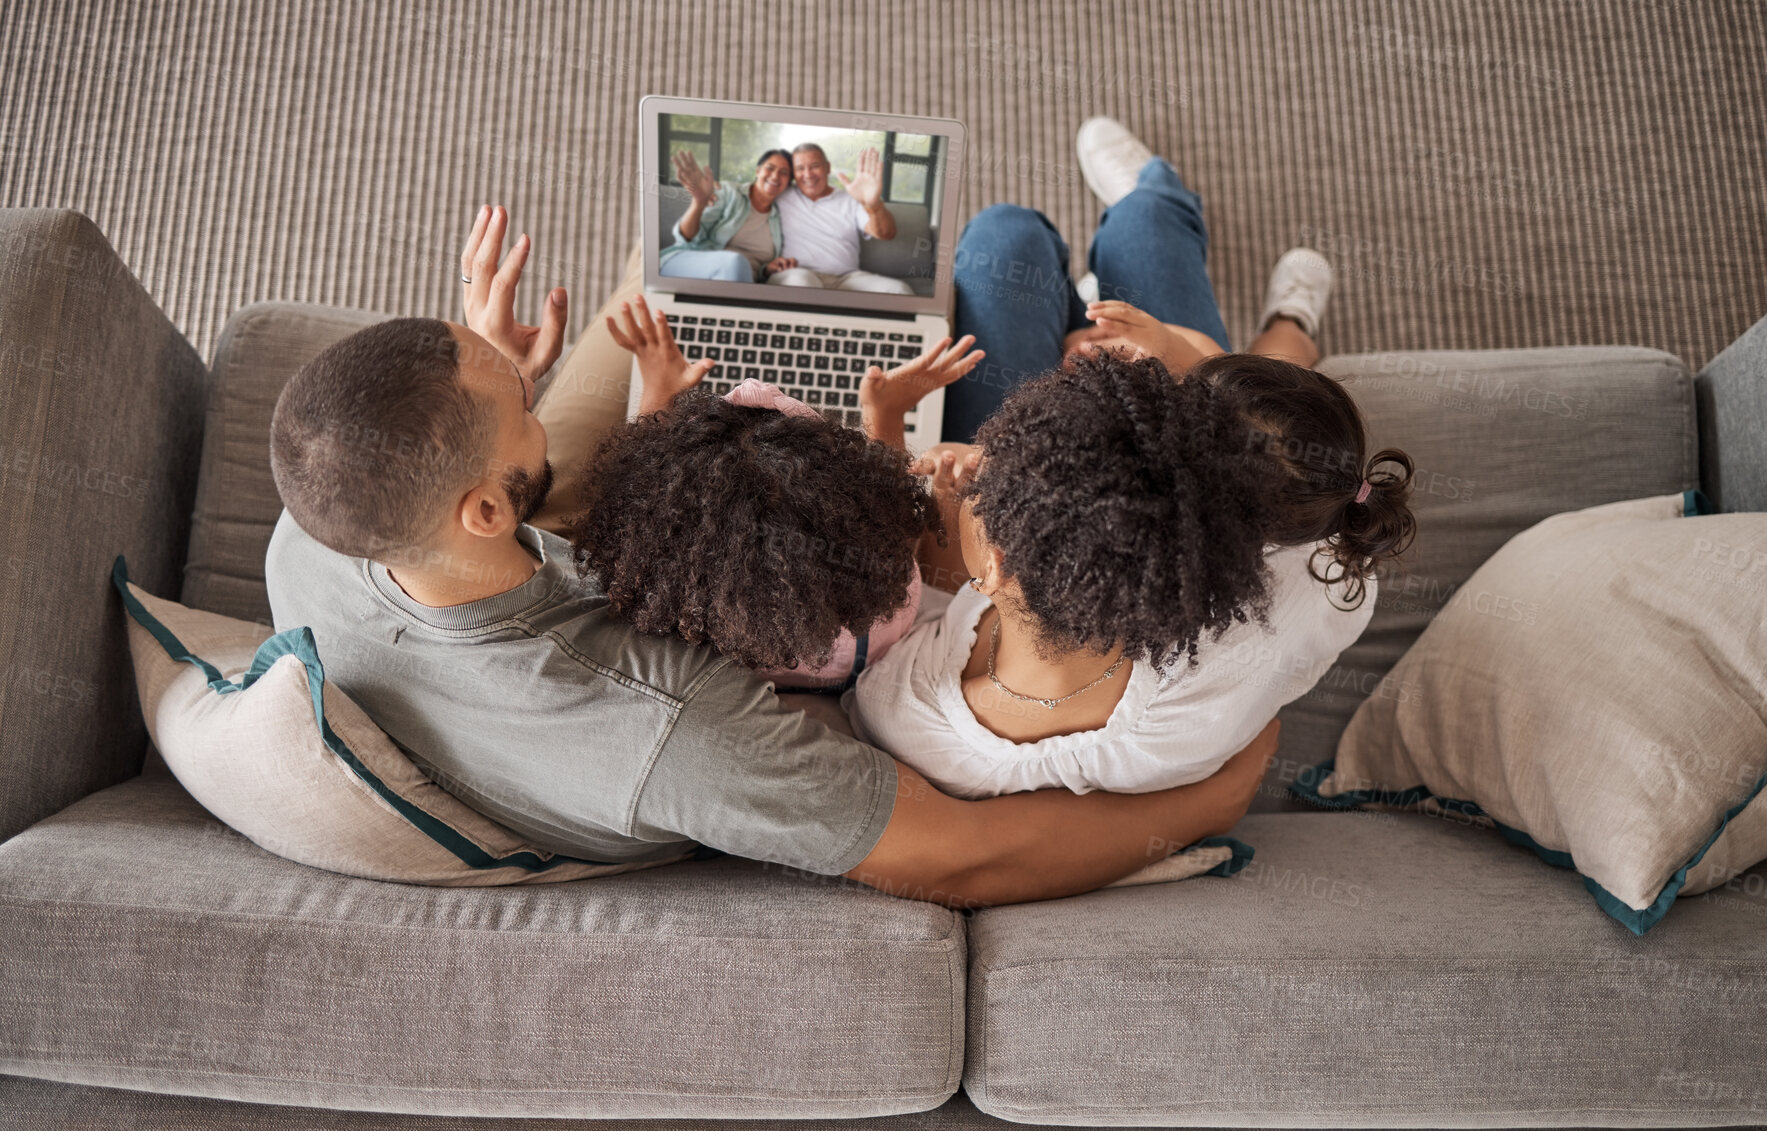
{"type": "Point", "coordinates": [788, 206]}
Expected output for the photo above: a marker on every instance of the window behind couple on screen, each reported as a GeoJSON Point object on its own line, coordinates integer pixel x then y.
{"type": "Point", "coordinates": [799, 206]}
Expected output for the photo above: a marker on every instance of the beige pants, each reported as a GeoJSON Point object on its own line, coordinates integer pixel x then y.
{"type": "Point", "coordinates": [585, 399]}
{"type": "Point", "coordinates": [851, 281]}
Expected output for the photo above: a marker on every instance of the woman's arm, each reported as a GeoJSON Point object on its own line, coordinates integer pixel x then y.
{"type": "Point", "coordinates": [700, 186]}
{"type": "Point", "coordinates": [688, 225]}
{"type": "Point", "coordinates": [1119, 323]}
{"type": "Point", "coordinates": [1204, 345]}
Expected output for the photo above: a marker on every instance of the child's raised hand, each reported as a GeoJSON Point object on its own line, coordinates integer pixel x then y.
{"type": "Point", "coordinates": [885, 397]}
{"type": "Point", "coordinates": [952, 466]}
{"type": "Point", "coordinates": [665, 372]}
{"type": "Point", "coordinates": [900, 389]}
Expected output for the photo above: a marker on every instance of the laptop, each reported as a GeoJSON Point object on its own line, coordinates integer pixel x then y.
{"type": "Point", "coordinates": [813, 329]}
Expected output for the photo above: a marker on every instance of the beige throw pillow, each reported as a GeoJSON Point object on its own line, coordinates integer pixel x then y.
{"type": "Point", "coordinates": [1598, 691]}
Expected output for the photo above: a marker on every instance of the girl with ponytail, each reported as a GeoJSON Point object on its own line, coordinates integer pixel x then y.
{"type": "Point", "coordinates": [1352, 507]}
{"type": "Point", "coordinates": [1156, 566]}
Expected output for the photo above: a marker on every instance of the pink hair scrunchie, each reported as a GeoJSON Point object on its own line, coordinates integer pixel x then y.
{"type": "Point", "coordinates": [759, 394]}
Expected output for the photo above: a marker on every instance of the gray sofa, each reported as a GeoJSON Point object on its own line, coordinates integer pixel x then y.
{"type": "Point", "coordinates": [1366, 970]}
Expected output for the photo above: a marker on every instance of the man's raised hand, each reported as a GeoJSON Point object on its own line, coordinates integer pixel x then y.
{"type": "Point", "coordinates": [664, 371]}
{"type": "Point", "coordinates": [866, 185]}
{"type": "Point", "coordinates": [490, 297]}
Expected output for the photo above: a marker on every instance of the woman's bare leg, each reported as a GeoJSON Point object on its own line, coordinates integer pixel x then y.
{"type": "Point", "coordinates": [1283, 338]}
{"type": "Point", "coordinates": [1300, 286]}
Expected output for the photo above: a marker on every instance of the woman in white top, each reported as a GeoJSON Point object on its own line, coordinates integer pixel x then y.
{"type": "Point", "coordinates": [1156, 567]}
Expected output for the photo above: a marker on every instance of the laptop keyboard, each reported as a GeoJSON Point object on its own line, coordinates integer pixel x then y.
{"type": "Point", "coordinates": [819, 365]}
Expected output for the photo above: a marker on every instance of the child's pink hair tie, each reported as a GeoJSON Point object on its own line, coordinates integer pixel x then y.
{"type": "Point", "coordinates": [759, 394]}
{"type": "Point", "coordinates": [1361, 496]}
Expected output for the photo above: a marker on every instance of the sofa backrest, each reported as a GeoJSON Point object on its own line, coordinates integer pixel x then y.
{"type": "Point", "coordinates": [1501, 440]}
{"type": "Point", "coordinates": [236, 501]}
{"type": "Point", "coordinates": [101, 415]}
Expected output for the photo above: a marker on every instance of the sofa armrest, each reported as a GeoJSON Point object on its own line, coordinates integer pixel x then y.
{"type": "Point", "coordinates": [1732, 396]}
{"type": "Point", "coordinates": [101, 414]}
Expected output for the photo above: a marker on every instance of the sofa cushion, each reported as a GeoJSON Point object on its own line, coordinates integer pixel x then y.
{"type": "Point", "coordinates": [1599, 691]}
{"type": "Point", "coordinates": [100, 422]}
{"type": "Point", "coordinates": [1501, 439]}
{"type": "Point", "coordinates": [145, 945]}
{"type": "Point", "coordinates": [236, 501]}
{"type": "Point", "coordinates": [42, 1105]}
{"type": "Point", "coordinates": [247, 723]}
{"type": "Point", "coordinates": [1369, 970]}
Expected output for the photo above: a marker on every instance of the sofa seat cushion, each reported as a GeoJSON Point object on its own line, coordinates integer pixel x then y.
{"type": "Point", "coordinates": [42, 1105]}
{"type": "Point", "coordinates": [144, 945]}
{"type": "Point", "coordinates": [1370, 970]}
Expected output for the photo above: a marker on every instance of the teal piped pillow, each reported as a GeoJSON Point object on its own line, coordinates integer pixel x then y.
{"type": "Point", "coordinates": [1596, 692]}
{"type": "Point", "coordinates": [246, 722]}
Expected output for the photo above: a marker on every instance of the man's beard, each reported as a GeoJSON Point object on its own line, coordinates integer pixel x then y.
{"type": "Point", "coordinates": [527, 490]}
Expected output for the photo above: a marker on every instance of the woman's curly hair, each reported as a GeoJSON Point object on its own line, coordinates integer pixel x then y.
{"type": "Point", "coordinates": [1309, 424]}
{"type": "Point", "coordinates": [761, 533]}
{"type": "Point", "coordinates": [1128, 508]}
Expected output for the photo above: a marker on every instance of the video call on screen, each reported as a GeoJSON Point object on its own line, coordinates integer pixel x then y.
{"type": "Point", "coordinates": [821, 236]}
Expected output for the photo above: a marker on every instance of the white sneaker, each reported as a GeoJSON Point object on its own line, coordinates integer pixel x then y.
{"type": "Point", "coordinates": [1087, 287]}
{"type": "Point", "coordinates": [1110, 158]}
{"type": "Point", "coordinates": [1300, 284]}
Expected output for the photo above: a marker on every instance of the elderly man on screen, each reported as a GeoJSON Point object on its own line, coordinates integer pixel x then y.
{"type": "Point", "coordinates": [823, 225]}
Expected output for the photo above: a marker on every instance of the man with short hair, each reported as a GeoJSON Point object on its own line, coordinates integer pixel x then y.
{"type": "Point", "coordinates": [823, 226]}
{"type": "Point", "coordinates": [408, 458]}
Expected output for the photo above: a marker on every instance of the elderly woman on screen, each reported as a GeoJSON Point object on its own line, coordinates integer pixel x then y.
{"type": "Point", "coordinates": [729, 231]}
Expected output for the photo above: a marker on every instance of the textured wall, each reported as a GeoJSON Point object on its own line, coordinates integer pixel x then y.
{"type": "Point", "coordinates": [1532, 172]}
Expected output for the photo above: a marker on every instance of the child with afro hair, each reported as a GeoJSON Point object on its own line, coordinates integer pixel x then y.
{"type": "Point", "coordinates": [752, 522]}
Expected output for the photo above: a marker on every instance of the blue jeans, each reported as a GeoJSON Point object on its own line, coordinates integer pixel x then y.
{"type": "Point", "coordinates": [1014, 294]}
{"type": "Point", "coordinates": [732, 266]}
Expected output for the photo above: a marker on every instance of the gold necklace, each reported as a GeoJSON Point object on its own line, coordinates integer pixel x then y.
{"type": "Point", "coordinates": [994, 650]}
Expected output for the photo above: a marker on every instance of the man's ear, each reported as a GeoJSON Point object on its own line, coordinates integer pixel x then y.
{"type": "Point", "coordinates": [484, 513]}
